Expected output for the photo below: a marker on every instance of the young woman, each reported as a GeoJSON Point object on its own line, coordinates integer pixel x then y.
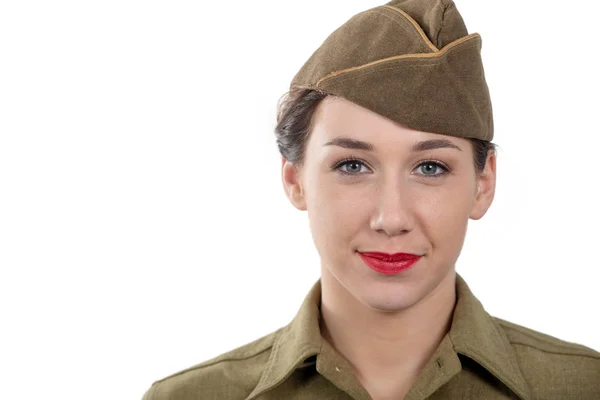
{"type": "Point", "coordinates": [385, 139]}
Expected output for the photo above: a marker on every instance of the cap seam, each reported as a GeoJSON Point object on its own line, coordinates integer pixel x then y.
{"type": "Point", "coordinates": [428, 45]}
{"type": "Point", "coordinates": [416, 25]}
{"type": "Point", "coordinates": [437, 37]}
{"type": "Point", "coordinates": [415, 56]}
{"type": "Point", "coordinates": [309, 87]}
{"type": "Point", "coordinates": [409, 57]}
{"type": "Point", "coordinates": [303, 86]}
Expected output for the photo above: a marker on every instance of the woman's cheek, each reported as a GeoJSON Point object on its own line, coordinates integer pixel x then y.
{"type": "Point", "coordinates": [443, 215]}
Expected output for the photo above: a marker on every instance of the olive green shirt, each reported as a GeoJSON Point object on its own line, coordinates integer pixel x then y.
{"type": "Point", "coordinates": [481, 357]}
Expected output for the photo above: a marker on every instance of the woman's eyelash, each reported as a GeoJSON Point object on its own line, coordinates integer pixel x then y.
{"type": "Point", "coordinates": [445, 169]}
{"type": "Point", "coordinates": [347, 161]}
{"type": "Point", "coordinates": [442, 166]}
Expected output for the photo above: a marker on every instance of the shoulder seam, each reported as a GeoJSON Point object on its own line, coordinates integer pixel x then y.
{"type": "Point", "coordinates": [208, 364]}
{"type": "Point", "coordinates": [219, 359]}
{"type": "Point", "coordinates": [216, 361]}
{"type": "Point", "coordinates": [566, 346]}
{"type": "Point", "coordinates": [593, 356]}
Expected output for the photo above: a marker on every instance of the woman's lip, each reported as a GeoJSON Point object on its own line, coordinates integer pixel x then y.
{"type": "Point", "coordinates": [390, 257]}
{"type": "Point", "coordinates": [390, 267]}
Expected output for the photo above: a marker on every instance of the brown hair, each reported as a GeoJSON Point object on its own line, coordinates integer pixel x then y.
{"type": "Point", "coordinates": [295, 112]}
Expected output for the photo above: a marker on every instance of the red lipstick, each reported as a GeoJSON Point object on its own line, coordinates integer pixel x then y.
{"type": "Point", "coordinates": [389, 264]}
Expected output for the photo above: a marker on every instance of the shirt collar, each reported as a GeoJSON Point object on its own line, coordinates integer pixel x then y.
{"type": "Point", "coordinates": [296, 342]}
{"type": "Point", "coordinates": [473, 333]}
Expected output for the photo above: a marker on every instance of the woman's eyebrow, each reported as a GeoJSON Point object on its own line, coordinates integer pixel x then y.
{"type": "Point", "coordinates": [419, 146]}
{"type": "Point", "coordinates": [434, 144]}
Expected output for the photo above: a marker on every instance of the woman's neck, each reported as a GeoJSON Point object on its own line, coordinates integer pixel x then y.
{"type": "Point", "coordinates": [382, 346]}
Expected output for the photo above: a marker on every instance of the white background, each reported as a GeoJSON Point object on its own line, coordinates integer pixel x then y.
{"type": "Point", "coordinates": [143, 224]}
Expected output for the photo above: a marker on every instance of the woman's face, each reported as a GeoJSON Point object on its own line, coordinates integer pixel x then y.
{"type": "Point", "coordinates": [413, 192]}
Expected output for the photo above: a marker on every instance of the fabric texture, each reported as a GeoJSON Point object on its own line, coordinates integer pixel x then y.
{"type": "Point", "coordinates": [411, 61]}
{"type": "Point", "coordinates": [481, 357]}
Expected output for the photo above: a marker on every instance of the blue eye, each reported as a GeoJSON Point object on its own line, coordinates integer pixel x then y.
{"type": "Point", "coordinates": [354, 166]}
{"type": "Point", "coordinates": [432, 166]}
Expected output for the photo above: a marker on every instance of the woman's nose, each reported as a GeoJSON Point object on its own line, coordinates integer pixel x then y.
{"type": "Point", "coordinates": [392, 213]}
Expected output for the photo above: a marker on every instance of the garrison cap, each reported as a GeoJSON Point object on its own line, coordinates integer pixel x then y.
{"type": "Point", "coordinates": [411, 61]}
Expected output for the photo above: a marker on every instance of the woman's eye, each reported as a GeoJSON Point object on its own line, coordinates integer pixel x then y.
{"type": "Point", "coordinates": [432, 169]}
{"type": "Point", "coordinates": [350, 167]}
{"type": "Point", "coordinates": [429, 168]}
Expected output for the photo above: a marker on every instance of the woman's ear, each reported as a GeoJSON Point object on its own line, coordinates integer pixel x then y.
{"type": "Point", "coordinates": [486, 188]}
{"type": "Point", "coordinates": [292, 184]}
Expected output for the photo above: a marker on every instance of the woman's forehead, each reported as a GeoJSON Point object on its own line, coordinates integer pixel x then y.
{"type": "Point", "coordinates": [342, 123]}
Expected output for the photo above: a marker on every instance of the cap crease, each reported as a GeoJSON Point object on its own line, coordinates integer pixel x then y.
{"type": "Point", "coordinates": [437, 54]}
{"type": "Point", "coordinates": [416, 25]}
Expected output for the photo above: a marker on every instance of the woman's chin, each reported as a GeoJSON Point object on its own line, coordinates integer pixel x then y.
{"type": "Point", "coordinates": [390, 297]}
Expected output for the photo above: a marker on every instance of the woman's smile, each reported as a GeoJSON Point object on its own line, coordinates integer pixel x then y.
{"type": "Point", "coordinates": [389, 264]}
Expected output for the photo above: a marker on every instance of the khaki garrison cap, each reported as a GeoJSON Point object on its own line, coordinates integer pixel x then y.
{"type": "Point", "coordinates": [411, 61]}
